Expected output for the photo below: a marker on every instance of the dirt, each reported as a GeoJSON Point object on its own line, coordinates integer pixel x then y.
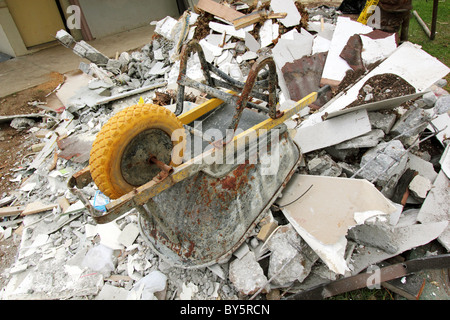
{"type": "Point", "coordinates": [381, 87]}
{"type": "Point", "coordinates": [16, 147]}
{"type": "Point", "coordinates": [15, 144]}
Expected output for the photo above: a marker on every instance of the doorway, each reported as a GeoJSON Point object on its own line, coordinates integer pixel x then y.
{"type": "Point", "coordinates": [38, 21]}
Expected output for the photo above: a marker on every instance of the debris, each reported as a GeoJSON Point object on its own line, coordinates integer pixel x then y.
{"type": "Point", "coordinates": [361, 281]}
{"type": "Point", "coordinates": [76, 147]}
{"type": "Point", "coordinates": [419, 187]}
{"type": "Point", "coordinates": [11, 211]}
{"type": "Point", "coordinates": [293, 16]}
{"type": "Point", "coordinates": [148, 287]}
{"type": "Point", "coordinates": [367, 140]}
{"type": "Point", "coordinates": [333, 131]}
{"type": "Point", "coordinates": [289, 252]}
{"type": "Point", "coordinates": [372, 184]}
{"type": "Point", "coordinates": [435, 208]}
{"type": "Point", "coordinates": [338, 208]}
{"type": "Point", "coordinates": [246, 274]}
{"type": "Point", "coordinates": [268, 225]}
{"type": "Point", "coordinates": [255, 17]}
{"type": "Point", "coordinates": [37, 207]}
{"type": "Point", "coordinates": [335, 67]}
{"type": "Point", "coordinates": [219, 10]}
{"type": "Point", "coordinates": [128, 235]}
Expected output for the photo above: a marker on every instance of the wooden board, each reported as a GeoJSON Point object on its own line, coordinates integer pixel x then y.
{"type": "Point", "coordinates": [219, 10]}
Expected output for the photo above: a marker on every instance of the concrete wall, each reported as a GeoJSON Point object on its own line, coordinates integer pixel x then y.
{"type": "Point", "coordinates": [106, 17]}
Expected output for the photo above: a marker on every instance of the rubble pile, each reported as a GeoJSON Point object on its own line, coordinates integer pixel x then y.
{"type": "Point", "coordinates": [373, 182]}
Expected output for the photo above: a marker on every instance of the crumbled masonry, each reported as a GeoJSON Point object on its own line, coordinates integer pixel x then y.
{"type": "Point", "coordinates": [392, 151]}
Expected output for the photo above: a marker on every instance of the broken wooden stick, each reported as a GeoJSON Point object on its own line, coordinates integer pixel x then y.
{"type": "Point", "coordinates": [255, 17]}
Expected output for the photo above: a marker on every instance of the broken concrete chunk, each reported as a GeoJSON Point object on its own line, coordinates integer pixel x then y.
{"type": "Point", "coordinates": [247, 275]}
{"type": "Point", "coordinates": [114, 66]}
{"type": "Point", "coordinates": [65, 38]}
{"type": "Point", "coordinates": [383, 163]}
{"type": "Point", "coordinates": [424, 168]}
{"type": "Point", "coordinates": [367, 140]}
{"type": "Point", "coordinates": [22, 123]}
{"type": "Point", "coordinates": [383, 121]}
{"type": "Point", "coordinates": [429, 99]}
{"type": "Point", "coordinates": [378, 234]}
{"type": "Point", "coordinates": [412, 122]}
{"type": "Point", "coordinates": [419, 187]}
{"type": "Point", "coordinates": [85, 50]}
{"type": "Point", "coordinates": [128, 235]}
{"type": "Point", "coordinates": [407, 237]}
{"type": "Point", "coordinates": [288, 262]}
{"type": "Point", "coordinates": [324, 166]}
{"type": "Point", "coordinates": [442, 104]}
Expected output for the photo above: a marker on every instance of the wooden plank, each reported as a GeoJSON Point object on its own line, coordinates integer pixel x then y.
{"type": "Point", "coordinates": [219, 10]}
{"type": "Point", "coordinates": [11, 211]}
{"type": "Point", "coordinates": [255, 17]}
{"type": "Point", "coordinates": [37, 207]}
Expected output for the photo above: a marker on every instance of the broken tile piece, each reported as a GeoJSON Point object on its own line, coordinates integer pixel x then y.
{"type": "Point", "coordinates": [436, 207]}
{"type": "Point", "coordinates": [333, 131]}
{"type": "Point", "coordinates": [332, 204]}
{"type": "Point", "coordinates": [128, 234]}
{"type": "Point", "coordinates": [293, 16]}
{"type": "Point", "coordinates": [336, 67]}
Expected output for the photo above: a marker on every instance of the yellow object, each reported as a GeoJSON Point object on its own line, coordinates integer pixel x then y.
{"type": "Point", "coordinates": [111, 143]}
{"type": "Point", "coordinates": [191, 115]}
{"type": "Point", "coordinates": [37, 20]}
{"type": "Point", "coordinates": [141, 101]}
{"type": "Point", "coordinates": [368, 10]}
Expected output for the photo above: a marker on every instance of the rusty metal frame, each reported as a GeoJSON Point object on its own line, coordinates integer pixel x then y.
{"type": "Point", "coordinates": [361, 280]}
{"type": "Point", "coordinates": [212, 84]}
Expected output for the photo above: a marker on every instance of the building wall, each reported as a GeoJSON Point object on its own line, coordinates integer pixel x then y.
{"type": "Point", "coordinates": [11, 42]}
{"type": "Point", "coordinates": [106, 17]}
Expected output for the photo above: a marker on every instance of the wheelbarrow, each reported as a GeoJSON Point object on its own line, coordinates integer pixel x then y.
{"type": "Point", "coordinates": [197, 205]}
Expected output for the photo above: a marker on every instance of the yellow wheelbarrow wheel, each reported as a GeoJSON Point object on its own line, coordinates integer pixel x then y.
{"type": "Point", "coordinates": [120, 156]}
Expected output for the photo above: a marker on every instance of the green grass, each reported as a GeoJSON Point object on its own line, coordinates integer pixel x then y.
{"type": "Point", "coordinates": [439, 46]}
{"type": "Point", "coordinates": [365, 294]}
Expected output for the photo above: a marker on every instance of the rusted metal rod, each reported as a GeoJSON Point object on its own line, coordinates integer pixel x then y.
{"type": "Point", "coordinates": [161, 165]}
